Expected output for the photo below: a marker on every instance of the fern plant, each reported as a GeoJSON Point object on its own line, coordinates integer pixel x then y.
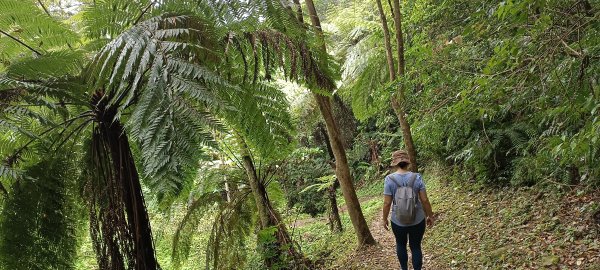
{"type": "Point", "coordinates": [231, 214]}
{"type": "Point", "coordinates": [39, 223]}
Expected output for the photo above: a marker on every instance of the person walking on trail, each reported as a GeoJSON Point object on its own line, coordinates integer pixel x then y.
{"type": "Point", "coordinates": [404, 192]}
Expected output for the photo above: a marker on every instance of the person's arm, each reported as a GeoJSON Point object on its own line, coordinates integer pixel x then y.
{"type": "Point", "coordinates": [387, 204]}
{"type": "Point", "coordinates": [426, 207]}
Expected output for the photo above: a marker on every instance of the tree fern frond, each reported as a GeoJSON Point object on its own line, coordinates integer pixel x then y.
{"type": "Point", "coordinates": [41, 91]}
{"type": "Point", "coordinates": [25, 21]}
{"type": "Point", "coordinates": [231, 228]}
{"type": "Point", "coordinates": [265, 122]}
{"type": "Point", "coordinates": [9, 172]}
{"type": "Point", "coordinates": [105, 19]}
{"type": "Point", "coordinates": [188, 225]}
{"type": "Point", "coordinates": [48, 66]}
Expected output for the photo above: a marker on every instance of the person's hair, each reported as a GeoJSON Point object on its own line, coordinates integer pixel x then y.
{"type": "Point", "coordinates": [403, 165]}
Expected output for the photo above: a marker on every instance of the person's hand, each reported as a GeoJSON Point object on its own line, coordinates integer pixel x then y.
{"type": "Point", "coordinates": [385, 225]}
{"type": "Point", "coordinates": [430, 221]}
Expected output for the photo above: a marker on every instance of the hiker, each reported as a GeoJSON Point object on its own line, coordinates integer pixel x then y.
{"type": "Point", "coordinates": [404, 192]}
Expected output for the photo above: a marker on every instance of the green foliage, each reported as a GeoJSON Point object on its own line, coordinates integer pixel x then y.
{"type": "Point", "coordinates": [303, 169]}
{"type": "Point", "coordinates": [323, 183]}
{"type": "Point", "coordinates": [52, 65]}
{"type": "Point", "coordinates": [24, 21]}
{"type": "Point", "coordinates": [231, 214]}
{"type": "Point", "coordinates": [267, 243]}
{"type": "Point", "coordinates": [106, 19]}
{"type": "Point", "coordinates": [261, 116]}
{"type": "Point", "coordinates": [492, 88]}
{"type": "Point", "coordinates": [38, 225]}
{"type": "Point", "coordinates": [359, 39]}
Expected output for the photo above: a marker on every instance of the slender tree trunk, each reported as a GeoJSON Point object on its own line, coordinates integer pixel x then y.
{"type": "Point", "coordinates": [399, 39]}
{"type": "Point", "coordinates": [406, 134]}
{"type": "Point", "coordinates": [334, 215]}
{"type": "Point", "coordinates": [299, 11]}
{"type": "Point", "coordinates": [269, 217]}
{"type": "Point", "coordinates": [361, 227]}
{"type": "Point", "coordinates": [398, 101]}
{"type": "Point", "coordinates": [388, 46]}
{"type": "Point", "coordinates": [335, 223]}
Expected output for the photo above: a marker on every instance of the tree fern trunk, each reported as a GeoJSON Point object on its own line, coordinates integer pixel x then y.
{"type": "Point", "coordinates": [334, 216]}
{"type": "Point", "coordinates": [262, 202]}
{"type": "Point", "coordinates": [120, 226]}
{"type": "Point", "coordinates": [133, 198]}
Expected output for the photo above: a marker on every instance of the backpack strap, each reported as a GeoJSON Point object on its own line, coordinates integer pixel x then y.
{"type": "Point", "coordinates": [395, 182]}
{"type": "Point", "coordinates": [413, 178]}
{"type": "Point", "coordinates": [397, 186]}
{"type": "Point", "coordinates": [411, 183]}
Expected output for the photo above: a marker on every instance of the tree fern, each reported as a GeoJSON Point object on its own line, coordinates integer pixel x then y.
{"type": "Point", "coordinates": [231, 218]}
{"type": "Point", "coordinates": [38, 227]}
{"type": "Point", "coordinates": [156, 64]}
{"type": "Point", "coordinates": [24, 21]}
{"type": "Point", "coordinates": [160, 66]}
{"type": "Point", "coordinates": [51, 65]}
{"type": "Point", "coordinates": [104, 20]}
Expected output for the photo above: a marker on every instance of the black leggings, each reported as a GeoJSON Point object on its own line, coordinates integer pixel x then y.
{"type": "Point", "coordinates": [415, 236]}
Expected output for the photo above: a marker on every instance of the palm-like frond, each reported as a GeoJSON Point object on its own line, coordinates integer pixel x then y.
{"type": "Point", "coordinates": [265, 51]}
{"type": "Point", "coordinates": [262, 117]}
{"type": "Point", "coordinates": [165, 66]}
{"type": "Point", "coordinates": [231, 221]}
{"type": "Point", "coordinates": [24, 21]}
{"type": "Point", "coordinates": [52, 65]}
{"type": "Point", "coordinates": [364, 73]}
{"type": "Point", "coordinates": [104, 20]}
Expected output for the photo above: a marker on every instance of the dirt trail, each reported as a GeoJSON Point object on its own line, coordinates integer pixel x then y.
{"type": "Point", "coordinates": [379, 257]}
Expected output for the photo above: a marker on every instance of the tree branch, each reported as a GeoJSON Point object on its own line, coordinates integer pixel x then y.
{"type": "Point", "coordinates": [44, 8]}
{"type": "Point", "coordinates": [137, 20]}
{"type": "Point", "coordinates": [21, 42]}
{"type": "Point", "coordinates": [571, 51]}
{"type": "Point", "coordinates": [299, 11]}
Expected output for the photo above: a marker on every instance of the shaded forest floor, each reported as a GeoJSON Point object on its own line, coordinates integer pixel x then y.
{"type": "Point", "coordinates": [525, 228]}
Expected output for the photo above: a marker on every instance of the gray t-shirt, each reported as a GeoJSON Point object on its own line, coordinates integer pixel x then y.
{"type": "Point", "coordinates": [390, 187]}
